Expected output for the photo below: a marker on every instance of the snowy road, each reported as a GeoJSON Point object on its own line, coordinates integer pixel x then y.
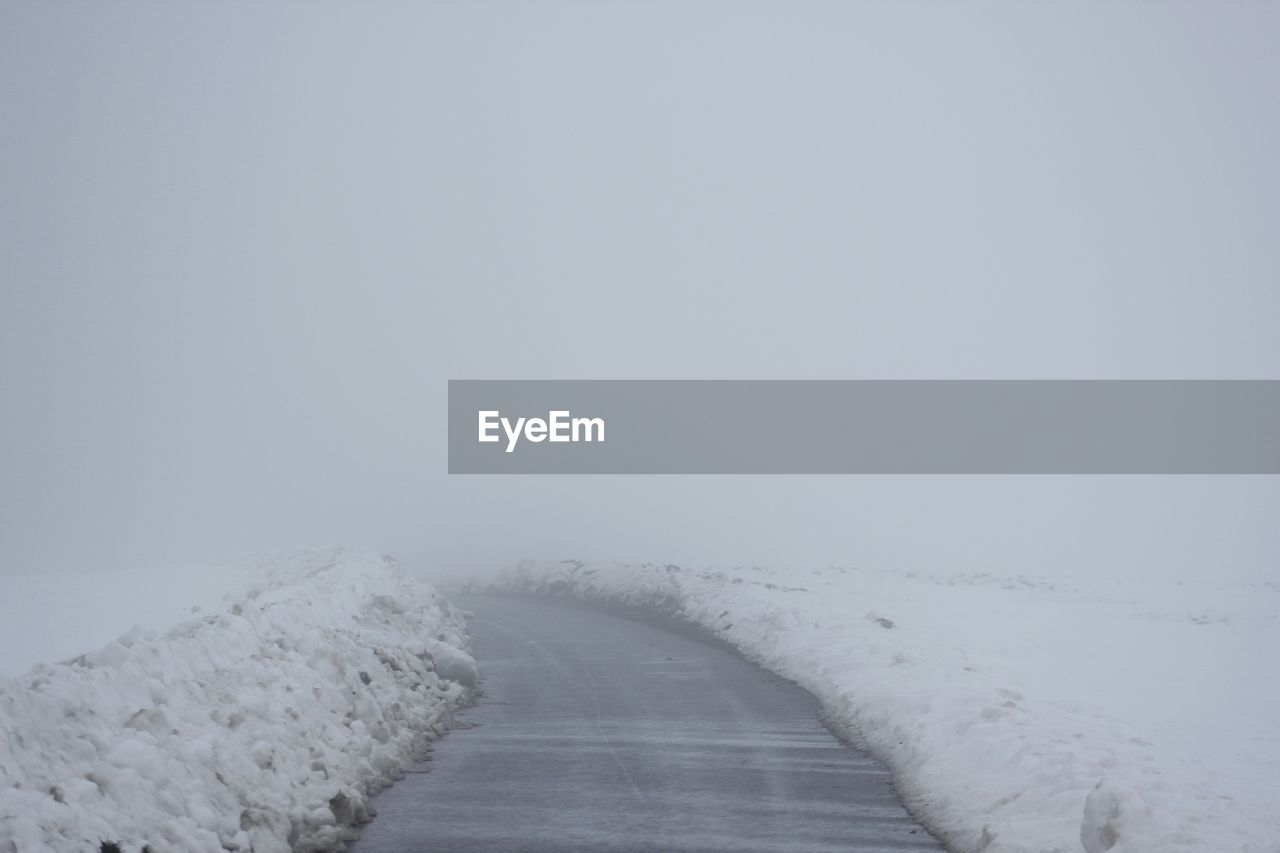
{"type": "Point", "coordinates": [601, 733]}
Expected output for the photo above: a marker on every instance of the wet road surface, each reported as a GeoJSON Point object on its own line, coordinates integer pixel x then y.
{"type": "Point", "coordinates": [597, 732]}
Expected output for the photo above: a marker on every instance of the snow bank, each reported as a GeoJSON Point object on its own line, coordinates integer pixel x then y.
{"type": "Point", "coordinates": [56, 615]}
{"type": "Point", "coordinates": [265, 726]}
{"type": "Point", "coordinates": [1019, 715]}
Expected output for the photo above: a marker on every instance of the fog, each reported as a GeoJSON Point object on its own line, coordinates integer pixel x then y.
{"type": "Point", "coordinates": [244, 246]}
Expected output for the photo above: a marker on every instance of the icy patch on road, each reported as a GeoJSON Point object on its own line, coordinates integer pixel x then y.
{"type": "Point", "coordinates": [265, 724]}
{"type": "Point", "coordinates": [1019, 714]}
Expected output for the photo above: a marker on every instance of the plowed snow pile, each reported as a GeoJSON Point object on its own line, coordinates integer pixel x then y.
{"type": "Point", "coordinates": [264, 724]}
{"type": "Point", "coordinates": [1019, 714]}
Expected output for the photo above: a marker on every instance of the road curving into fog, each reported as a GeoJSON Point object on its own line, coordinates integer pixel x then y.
{"type": "Point", "coordinates": [597, 732]}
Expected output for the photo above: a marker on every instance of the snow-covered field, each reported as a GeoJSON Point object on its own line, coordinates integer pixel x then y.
{"type": "Point", "coordinates": [1018, 713]}
{"type": "Point", "coordinates": [262, 723]}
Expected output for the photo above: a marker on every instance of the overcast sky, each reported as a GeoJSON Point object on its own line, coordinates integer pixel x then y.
{"type": "Point", "coordinates": [244, 245]}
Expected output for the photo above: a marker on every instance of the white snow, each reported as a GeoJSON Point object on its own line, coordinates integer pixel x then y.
{"type": "Point", "coordinates": [53, 616]}
{"type": "Point", "coordinates": [264, 724]}
{"type": "Point", "coordinates": [1019, 714]}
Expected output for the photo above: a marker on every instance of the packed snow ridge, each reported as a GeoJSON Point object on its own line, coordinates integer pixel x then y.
{"type": "Point", "coordinates": [1018, 714]}
{"type": "Point", "coordinates": [265, 724]}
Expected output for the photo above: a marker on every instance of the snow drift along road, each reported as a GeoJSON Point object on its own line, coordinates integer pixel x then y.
{"type": "Point", "coordinates": [1019, 715]}
{"type": "Point", "coordinates": [263, 726]}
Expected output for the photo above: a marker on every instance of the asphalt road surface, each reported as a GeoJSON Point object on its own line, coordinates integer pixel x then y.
{"type": "Point", "coordinates": [597, 732]}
